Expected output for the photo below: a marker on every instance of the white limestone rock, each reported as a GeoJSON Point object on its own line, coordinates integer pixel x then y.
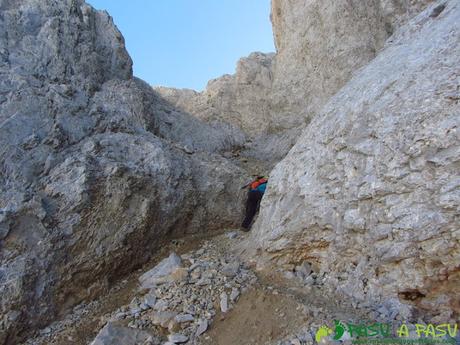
{"type": "Point", "coordinates": [113, 334]}
{"type": "Point", "coordinates": [369, 192]}
{"type": "Point", "coordinates": [160, 273]}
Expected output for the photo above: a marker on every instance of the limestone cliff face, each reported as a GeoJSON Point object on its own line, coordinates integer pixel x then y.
{"type": "Point", "coordinates": [96, 169]}
{"type": "Point", "coordinates": [321, 43]}
{"type": "Point", "coordinates": [370, 193]}
{"type": "Point", "coordinates": [241, 99]}
{"type": "Point", "coordinates": [319, 46]}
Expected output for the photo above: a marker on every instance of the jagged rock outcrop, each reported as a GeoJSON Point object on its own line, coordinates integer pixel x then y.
{"type": "Point", "coordinates": [242, 103]}
{"type": "Point", "coordinates": [369, 195]}
{"type": "Point", "coordinates": [96, 169]}
{"type": "Point", "coordinates": [241, 99]}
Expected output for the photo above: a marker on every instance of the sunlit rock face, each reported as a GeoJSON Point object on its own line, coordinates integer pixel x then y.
{"type": "Point", "coordinates": [96, 169]}
{"type": "Point", "coordinates": [241, 99]}
{"type": "Point", "coordinates": [370, 192]}
{"type": "Point", "coordinates": [321, 43]}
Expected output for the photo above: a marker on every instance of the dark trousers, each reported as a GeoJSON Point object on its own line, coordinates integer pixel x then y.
{"type": "Point", "coordinates": [252, 206]}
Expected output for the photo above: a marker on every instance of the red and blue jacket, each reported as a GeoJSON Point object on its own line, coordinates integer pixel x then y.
{"type": "Point", "coordinates": [259, 185]}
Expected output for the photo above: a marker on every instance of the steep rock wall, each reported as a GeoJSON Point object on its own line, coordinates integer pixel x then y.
{"type": "Point", "coordinates": [95, 168]}
{"type": "Point", "coordinates": [370, 193]}
{"type": "Point", "coordinates": [321, 43]}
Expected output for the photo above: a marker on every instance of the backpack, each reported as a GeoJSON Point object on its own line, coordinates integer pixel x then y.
{"type": "Point", "coordinates": [254, 185]}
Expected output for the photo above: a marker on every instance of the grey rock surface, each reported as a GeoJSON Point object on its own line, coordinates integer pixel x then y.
{"type": "Point", "coordinates": [177, 338]}
{"type": "Point", "coordinates": [188, 309]}
{"type": "Point", "coordinates": [96, 169]}
{"type": "Point", "coordinates": [113, 334]}
{"type": "Point", "coordinates": [240, 99]}
{"type": "Point", "coordinates": [370, 193]}
{"type": "Point", "coordinates": [320, 44]}
{"type": "Point", "coordinates": [160, 272]}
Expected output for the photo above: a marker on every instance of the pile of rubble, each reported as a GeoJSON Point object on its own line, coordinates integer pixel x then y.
{"type": "Point", "coordinates": [179, 298]}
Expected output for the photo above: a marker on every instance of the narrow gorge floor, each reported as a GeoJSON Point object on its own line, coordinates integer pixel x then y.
{"type": "Point", "coordinates": [262, 307]}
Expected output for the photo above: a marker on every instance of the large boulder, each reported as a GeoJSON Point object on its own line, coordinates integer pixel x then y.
{"type": "Point", "coordinates": [96, 170]}
{"type": "Point", "coordinates": [369, 195]}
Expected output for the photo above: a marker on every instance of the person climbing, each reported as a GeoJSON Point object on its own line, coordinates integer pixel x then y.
{"type": "Point", "coordinates": [255, 194]}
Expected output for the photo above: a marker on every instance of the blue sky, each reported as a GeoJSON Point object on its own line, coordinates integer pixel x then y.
{"type": "Point", "coordinates": [184, 43]}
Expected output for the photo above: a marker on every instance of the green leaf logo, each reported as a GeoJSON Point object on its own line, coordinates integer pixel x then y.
{"type": "Point", "coordinates": [322, 332]}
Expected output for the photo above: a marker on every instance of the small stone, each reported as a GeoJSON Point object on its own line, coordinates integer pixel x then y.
{"type": "Point", "coordinates": [150, 299]}
{"type": "Point", "coordinates": [193, 266]}
{"type": "Point", "coordinates": [309, 280]}
{"type": "Point", "coordinates": [232, 235]}
{"type": "Point", "coordinates": [188, 149]}
{"type": "Point", "coordinates": [161, 272]}
{"type": "Point", "coordinates": [230, 270]}
{"type": "Point", "coordinates": [47, 330]}
{"type": "Point", "coordinates": [115, 334]}
{"type": "Point", "coordinates": [135, 311]}
{"type": "Point", "coordinates": [144, 306]}
{"type": "Point", "coordinates": [120, 316]}
{"type": "Point", "coordinates": [177, 338]}
{"type": "Point", "coordinates": [181, 318]}
{"type": "Point", "coordinates": [223, 302]}
{"type": "Point", "coordinates": [196, 274]}
{"type": "Point", "coordinates": [234, 295]}
{"type": "Point", "coordinates": [161, 305]}
{"type": "Point", "coordinates": [203, 282]}
{"type": "Point", "coordinates": [202, 327]}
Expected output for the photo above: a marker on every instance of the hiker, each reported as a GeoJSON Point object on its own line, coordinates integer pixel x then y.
{"type": "Point", "coordinates": [255, 193]}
